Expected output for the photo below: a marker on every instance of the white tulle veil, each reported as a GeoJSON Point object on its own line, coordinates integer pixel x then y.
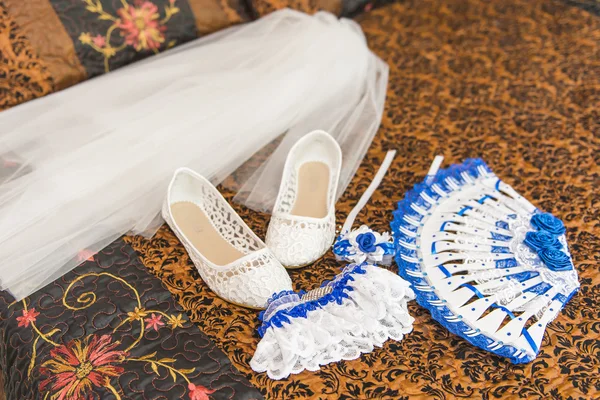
{"type": "Point", "coordinates": [83, 166]}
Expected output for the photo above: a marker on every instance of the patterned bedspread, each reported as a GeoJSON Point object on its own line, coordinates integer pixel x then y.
{"type": "Point", "coordinates": [516, 83]}
{"type": "Point", "coordinates": [109, 329]}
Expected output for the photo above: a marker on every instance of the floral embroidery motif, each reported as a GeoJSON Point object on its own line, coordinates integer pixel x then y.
{"type": "Point", "coordinates": [73, 370]}
{"type": "Point", "coordinates": [199, 392]}
{"type": "Point", "coordinates": [99, 41]}
{"type": "Point", "coordinates": [140, 25]}
{"type": "Point", "coordinates": [85, 255]}
{"type": "Point", "coordinates": [175, 321]}
{"type": "Point", "coordinates": [137, 313]}
{"type": "Point", "coordinates": [28, 316]}
{"type": "Point", "coordinates": [154, 321]}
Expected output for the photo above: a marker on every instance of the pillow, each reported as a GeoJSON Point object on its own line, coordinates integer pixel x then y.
{"type": "Point", "coordinates": [110, 330]}
{"type": "Point", "coordinates": [344, 8]}
{"type": "Point", "coordinates": [67, 41]}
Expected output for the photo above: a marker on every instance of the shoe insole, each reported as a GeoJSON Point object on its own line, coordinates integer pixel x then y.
{"type": "Point", "coordinates": [196, 226]}
{"type": "Point", "coordinates": [313, 190]}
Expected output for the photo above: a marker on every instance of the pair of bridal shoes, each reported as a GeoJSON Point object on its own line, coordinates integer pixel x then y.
{"type": "Point", "coordinates": [233, 261]}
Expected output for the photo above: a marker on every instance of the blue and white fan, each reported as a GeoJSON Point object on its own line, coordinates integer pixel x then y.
{"type": "Point", "coordinates": [489, 265]}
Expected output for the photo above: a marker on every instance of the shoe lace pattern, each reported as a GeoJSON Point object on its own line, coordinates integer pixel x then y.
{"type": "Point", "coordinates": [300, 239]}
{"type": "Point", "coordinates": [296, 239]}
{"type": "Point", "coordinates": [226, 221]}
{"type": "Point", "coordinates": [289, 191]}
{"type": "Point", "coordinates": [250, 280]}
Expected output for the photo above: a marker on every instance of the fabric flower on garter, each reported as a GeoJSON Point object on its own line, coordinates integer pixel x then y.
{"type": "Point", "coordinates": [364, 244]}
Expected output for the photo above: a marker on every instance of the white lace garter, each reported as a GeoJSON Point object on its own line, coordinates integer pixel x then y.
{"type": "Point", "coordinates": [360, 309]}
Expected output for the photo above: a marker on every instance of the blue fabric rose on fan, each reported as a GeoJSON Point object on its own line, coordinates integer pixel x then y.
{"type": "Point", "coordinates": [556, 260]}
{"type": "Point", "coordinates": [548, 222]}
{"type": "Point", "coordinates": [541, 240]}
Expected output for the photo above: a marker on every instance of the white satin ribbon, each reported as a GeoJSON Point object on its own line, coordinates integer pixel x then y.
{"type": "Point", "coordinates": [435, 166]}
{"type": "Point", "coordinates": [385, 165]}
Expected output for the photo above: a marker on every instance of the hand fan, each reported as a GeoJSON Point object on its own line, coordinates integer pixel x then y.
{"type": "Point", "coordinates": [489, 265]}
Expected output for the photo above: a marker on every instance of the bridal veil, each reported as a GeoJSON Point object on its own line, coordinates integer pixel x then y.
{"type": "Point", "coordinates": [85, 165]}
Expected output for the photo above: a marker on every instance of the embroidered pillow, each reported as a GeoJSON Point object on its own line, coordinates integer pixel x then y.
{"type": "Point", "coordinates": [62, 42]}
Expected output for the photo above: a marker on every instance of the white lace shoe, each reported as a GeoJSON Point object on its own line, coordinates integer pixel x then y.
{"type": "Point", "coordinates": [231, 259]}
{"type": "Point", "coordinates": [302, 226]}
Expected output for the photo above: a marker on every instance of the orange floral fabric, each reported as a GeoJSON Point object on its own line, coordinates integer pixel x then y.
{"type": "Point", "coordinates": [506, 81]}
{"type": "Point", "coordinates": [23, 75]}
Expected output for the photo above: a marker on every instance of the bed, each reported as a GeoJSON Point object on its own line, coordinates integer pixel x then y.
{"type": "Point", "coordinates": [514, 82]}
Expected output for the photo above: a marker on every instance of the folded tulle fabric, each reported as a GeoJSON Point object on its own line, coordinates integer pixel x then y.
{"type": "Point", "coordinates": [88, 164]}
{"type": "Point", "coordinates": [359, 310]}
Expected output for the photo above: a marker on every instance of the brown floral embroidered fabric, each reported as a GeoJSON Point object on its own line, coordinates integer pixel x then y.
{"type": "Point", "coordinates": [108, 329]}
{"type": "Point", "coordinates": [110, 34]}
{"type": "Point", "coordinates": [514, 82]}
{"type": "Point", "coordinates": [48, 45]}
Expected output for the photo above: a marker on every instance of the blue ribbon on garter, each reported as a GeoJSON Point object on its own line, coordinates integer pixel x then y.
{"type": "Point", "coordinates": [388, 248]}
{"type": "Point", "coordinates": [342, 248]}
